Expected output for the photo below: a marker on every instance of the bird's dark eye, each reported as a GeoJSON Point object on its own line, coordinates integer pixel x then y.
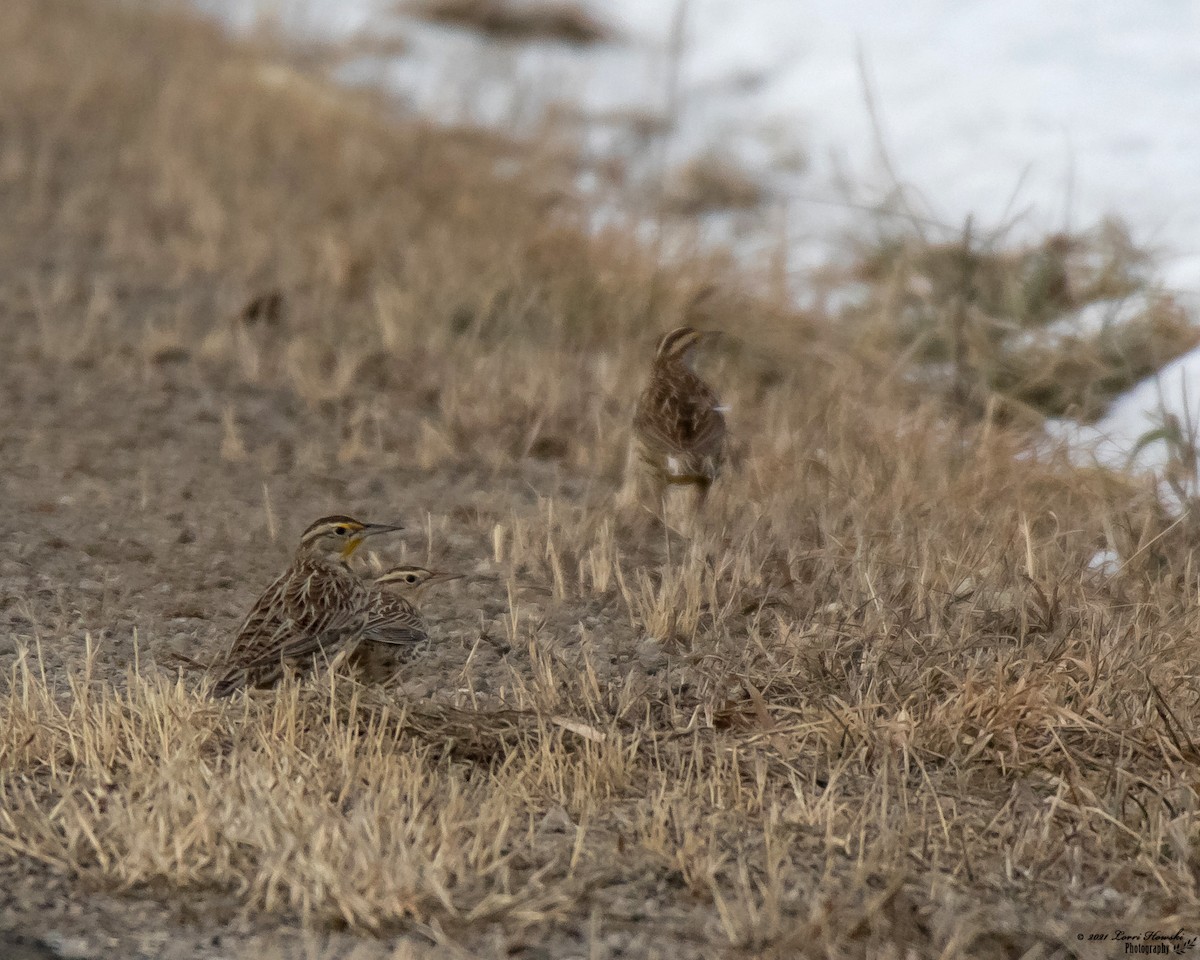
{"type": "Point", "coordinates": [411, 578]}
{"type": "Point", "coordinates": [340, 531]}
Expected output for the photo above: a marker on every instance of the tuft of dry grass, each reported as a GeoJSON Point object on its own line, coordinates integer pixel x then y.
{"type": "Point", "coordinates": [517, 20]}
{"type": "Point", "coordinates": [879, 705]}
{"type": "Point", "coordinates": [711, 182]}
{"type": "Point", "coordinates": [1059, 327]}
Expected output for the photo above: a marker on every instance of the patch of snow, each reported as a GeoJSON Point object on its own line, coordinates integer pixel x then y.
{"type": "Point", "coordinates": [1119, 439]}
{"type": "Point", "coordinates": [1102, 314]}
{"type": "Point", "coordinates": [1105, 562]}
{"type": "Point", "coordinates": [330, 20]}
{"type": "Point", "coordinates": [1067, 112]}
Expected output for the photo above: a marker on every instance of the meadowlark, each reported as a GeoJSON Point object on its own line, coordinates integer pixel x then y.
{"type": "Point", "coordinates": [394, 624]}
{"type": "Point", "coordinates": [679, 424]}
{"type": "Point", "coordinates": [317, 607]}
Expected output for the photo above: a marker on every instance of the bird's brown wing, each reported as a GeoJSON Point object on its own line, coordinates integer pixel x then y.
{"type": "Point", "coordinates": [325, 608]}
{"type": "Point", "coordinates": [306, 611]}
{"type": "Point", "coordinates": [264, 617]}
{"type": "Point", "coordinates": [394, 620]}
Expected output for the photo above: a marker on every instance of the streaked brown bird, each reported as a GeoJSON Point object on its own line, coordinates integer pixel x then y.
{"type": "Point", "coordinates": [315, 608]}
{"type": "Point", "coordinates": [679, 424]}
{"type": "Point", "coordinates": [394, 623]}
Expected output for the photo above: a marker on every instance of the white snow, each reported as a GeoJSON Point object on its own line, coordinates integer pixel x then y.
{"type": "Point", "coordinates": [1070, 111]}
{"type": "Point", "coordinates": [1105, 562]}
{"type": "Point", "coordinates": [1098, 314]}
{"type": "Point", "coordinates": [1173, 392]}
{"type": "Point", "coordinates": [1051, 115]}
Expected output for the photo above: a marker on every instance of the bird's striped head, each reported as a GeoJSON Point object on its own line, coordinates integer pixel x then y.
{"type": "Point", "coordinates": [677, 345]}
{"type": "Point", "coordinates": [340, 535]}
{"type": "Point", "coordinates": [412, 578]}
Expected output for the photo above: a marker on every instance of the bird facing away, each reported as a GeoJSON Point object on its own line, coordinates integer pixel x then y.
{"type": "Point", "coordinates": [394, 624]}
{"type": "Point", "coordinates": [679, 424]}
{"type": "Point", "coordinates": [316, 607]}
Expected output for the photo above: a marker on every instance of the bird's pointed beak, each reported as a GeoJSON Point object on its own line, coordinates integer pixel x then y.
{"type": "Point", "coordinates": [368, 530]}
{"type": "Point", "coordinates": [371, 529]}
{"type": "Point", "coordinates": [440, 576]}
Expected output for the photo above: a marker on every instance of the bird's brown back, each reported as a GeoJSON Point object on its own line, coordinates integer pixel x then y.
{"type": "Point", "coordinates": [678, 424]}
{"type": "Point", "coordinates": [317, 606]}
{"type": "Point", "coordinates": [393, 619]}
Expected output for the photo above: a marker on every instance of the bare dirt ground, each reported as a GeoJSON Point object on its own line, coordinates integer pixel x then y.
{"type": "Point", "coordinates": [877, 706]}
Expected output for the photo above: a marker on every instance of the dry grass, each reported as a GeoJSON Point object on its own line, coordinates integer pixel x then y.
{"type": "Point", "coordinates": [1004, 323]}
{"type": "Point", "coordinates": [878, 706]}
{"type": "Point", "coordinates": [708, 183]}
{"type": "Point", "coordinates": [517, 20]}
